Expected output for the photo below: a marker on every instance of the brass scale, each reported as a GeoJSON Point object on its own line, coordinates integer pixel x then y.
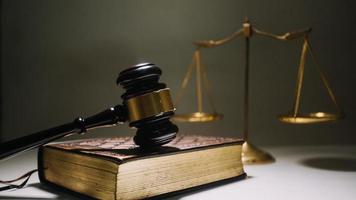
{"type": "Point", "coordinates": [252, 154]}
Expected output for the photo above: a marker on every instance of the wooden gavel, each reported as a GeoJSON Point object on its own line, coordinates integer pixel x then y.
{"type": "Point", "coordinates": [147, 106]}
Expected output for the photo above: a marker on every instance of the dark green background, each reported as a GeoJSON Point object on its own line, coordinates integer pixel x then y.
{"type": "Point", "coordinates": [60, 59]}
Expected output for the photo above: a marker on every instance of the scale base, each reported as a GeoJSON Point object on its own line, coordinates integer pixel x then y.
{"type": "Point", "coordinates": [253, 155]}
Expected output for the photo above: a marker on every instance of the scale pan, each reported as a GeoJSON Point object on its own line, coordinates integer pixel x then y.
{"type": "Point", "coordinates": [198, 117]}
{"type": "Point", "coordinates": [310, 118]}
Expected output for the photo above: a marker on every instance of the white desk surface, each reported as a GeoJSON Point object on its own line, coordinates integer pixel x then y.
{"type": "Point", "coordinates": [323, 172]}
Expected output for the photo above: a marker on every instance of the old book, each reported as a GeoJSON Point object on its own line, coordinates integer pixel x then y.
{"type": "Point", "coordinates": [114, 168]}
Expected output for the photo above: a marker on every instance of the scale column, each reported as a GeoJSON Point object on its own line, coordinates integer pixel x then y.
{"type": "Point", "coordinates": [248, 33]}
{"type": "Point", "coordinates": [250, 153]}
{"type": "Point", "coordinates": [198, 82]}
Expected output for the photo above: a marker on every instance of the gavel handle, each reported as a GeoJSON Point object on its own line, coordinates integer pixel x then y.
{"type": "Point", "coordinates": [108, 117]}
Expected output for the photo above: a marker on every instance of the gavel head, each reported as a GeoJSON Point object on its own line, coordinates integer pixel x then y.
{"type": "Point", "coordinates": [149, 105]}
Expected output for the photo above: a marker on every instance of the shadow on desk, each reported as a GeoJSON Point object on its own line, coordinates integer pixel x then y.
{"type": "Point", "coordinates": [58, 194]}
{"type": "Point", "coordinates": [20, 198]}
{"type": "Point", "coordinates": [331, 163]}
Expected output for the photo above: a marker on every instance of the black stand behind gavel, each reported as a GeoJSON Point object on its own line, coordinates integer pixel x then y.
{"type": "Point", "coordinates": [147, 106]}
